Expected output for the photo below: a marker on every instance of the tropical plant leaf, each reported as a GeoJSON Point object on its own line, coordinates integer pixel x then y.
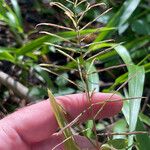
{"type": "Point", "coordinates": [144, 118]}
{"type": "Point", "coordinates": [4, 55]}
{"type": "Point", "coordinates": [136, 84]}
{"type": "Point", "coordinates": [120, 17]}
{"type": "Point", "coordinates": [143, 140]}
{"type": "Point", "coordinates": [93, 77]}
{"type": "Point", "coordinates": [118, 143]}
{"type": "Point", "coordinates": [129, 7]}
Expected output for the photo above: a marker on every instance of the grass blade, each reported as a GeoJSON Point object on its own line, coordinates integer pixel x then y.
{"type": "Point", "coordinates": [115, 21]}
{"type": "Point", "coordinates": [135, 89]}
{"type": "Point", "coordinates": [62, 122]}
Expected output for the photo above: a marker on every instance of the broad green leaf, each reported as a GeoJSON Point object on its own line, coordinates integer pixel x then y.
{"type": "Point", "coordinates": [129, 7]}
{"type": "Point", "coordinates": [107, 147]}
{"type": "Point", "coordinates": [93, 85]}
{"type": "Point", "coordinates": [141, 27]}
{"type": "Point", "coordinates": [136, 85]}
{"type": "Point", "coordinates": [122, 51]}
{"type": "Point", "coordinates": [144, 118]}
{"type": "Point", "coordinates": [138, 42]}
{"type": "Point", "coordinates": [120, 18]}
{"type": "Point", "coordinates": [61, 80]}
{"type": "Point", "coordinates": [44, 75]}
{"type": "Point", "coordinates": [7, 56]}
{"type": "Point", "coordinates": [37, 93]}
{"type": "Point", "coordinates": [133, 45]}
{"type": "Point", "coordinates": [9, 17]}
{"type": "Point", "coordinates": [143, 140]}
{"type": "Point", "coordinates": [118, 143]}
{"type": "Point", "coordinates": [93, 78]}
{"type": "Point", "coordinates": [7, 49]}
{"type": "Point", "coordinates": [123, 77]}
{"type": "Point", "coordinates": [65, 91]}
{"type": "Point", "coordinates": [120, 127]}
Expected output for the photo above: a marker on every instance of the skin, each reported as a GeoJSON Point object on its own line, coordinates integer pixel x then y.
{"type": "Point", "coordinates": [34, 127]}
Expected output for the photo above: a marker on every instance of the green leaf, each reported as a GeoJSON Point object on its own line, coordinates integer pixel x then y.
{"type": "Point", "coordinates": [10, 17]}
{"type": "Point", "coordinates": [120, 17]}
{"type": "Point", "coordinates": [143, 140]}
{"type": "Point", "coordinates": [129, 7]}
{"type": "Point", "coordinates": [122, 51]}
{"type": "Point", "coordinates": [89, 125]}
{"type": "Point", "coordinates": [17, 10]}
{"type": "Point", "coordinates": [93, 85]}
{"type": "Point", "coordinates": [62, 122]}
{"type": "Point", "coordinates": [65, 91]}
{"type": "Point", "coordinates": [106, 147]}
{"type": "Point", "coordinates": [138, 42]}
{"type": "Point", "coordinates": [7, 56]}
{"type": "Point", "coordinates": [126, 108]}
{"type": "Point", "coordinates": [61, 80]}
{"type": "Point", "coordinates": [144, 118]}
{"type": "Point", "coordinates": [141, 27]}
{"type": "Point", "coordinates": [37, 93]}
{"type": "Point", "coordinates": [93, 77]}
{"type": "Point", "coordinates": [44, 75]}
{"type": "Point", "coordinates": [120, 127]}
{"type": "Point", "coordinates": [118, 143]}
{"type": "Point", "coordinates": [136, 85]}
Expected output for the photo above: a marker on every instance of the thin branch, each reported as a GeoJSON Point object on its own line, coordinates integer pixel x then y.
{"type": "Point", "coordinates": [108, 68]}
{"type": "Point", "coordinates": [65, 48]}
{"type": "Point", "coordinates": [123, 133]}
{"type": "Point", "coordinates": [54, 25]}
{"type": "Point", "coordinates": [54, 35]}
{"type": "Point", "coordinates": [70, 81]}
{"type": "Point", "coordinates": [80, 2]}
{"type": "Point", "coordinates": [95, 43]}
{"type": "Point", "coordinates": [95, 19]}
{"type": "Point", "coordinates": [98, 54]}
{"type": "Point", "coordinates": [65, 54]}
{"type": "Point", "coordinates": [57, 66]}
{"type": "Point", "coordinates": [18, 88]}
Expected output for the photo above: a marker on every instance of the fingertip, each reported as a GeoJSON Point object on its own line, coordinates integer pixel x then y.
{"type": "Point", "coordinates": [103, 105]}
{"type": "Point", "coordinates": [110, 106]}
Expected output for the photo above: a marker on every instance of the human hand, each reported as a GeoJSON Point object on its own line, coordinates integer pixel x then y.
{"type": "Point", "coordinates": [34, 127]}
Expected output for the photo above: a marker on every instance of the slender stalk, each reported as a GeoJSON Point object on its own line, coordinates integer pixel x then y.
{"type": "Point", "coordinates": [83, 74]}
{"type": "Point", "coordinates": [123, 133]}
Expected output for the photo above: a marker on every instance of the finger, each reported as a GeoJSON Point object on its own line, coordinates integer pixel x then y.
{"type": "Point", "coordinates": [56, 142]}
{"type": "Point", "coordinates": [37, 122]}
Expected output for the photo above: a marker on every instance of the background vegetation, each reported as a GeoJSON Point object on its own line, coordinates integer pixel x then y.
{"type": "Point", "coordinates": [122, 37]}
